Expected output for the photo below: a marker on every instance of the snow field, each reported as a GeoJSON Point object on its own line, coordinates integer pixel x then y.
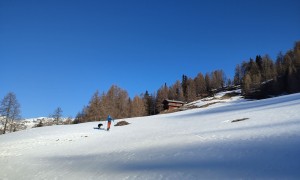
{"type": "Point", "coordinates": [195, 144]}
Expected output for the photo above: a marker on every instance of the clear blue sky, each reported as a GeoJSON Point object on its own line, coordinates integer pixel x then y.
{"type": "Point", "coordinates": [58, 53]}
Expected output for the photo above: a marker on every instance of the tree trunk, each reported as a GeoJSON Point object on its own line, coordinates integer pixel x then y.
{"type": "Point", "coordinates": [6, 120]}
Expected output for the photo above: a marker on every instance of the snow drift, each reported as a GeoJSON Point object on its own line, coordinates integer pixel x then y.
{"type": "Point", "coordinates": [203, 143]}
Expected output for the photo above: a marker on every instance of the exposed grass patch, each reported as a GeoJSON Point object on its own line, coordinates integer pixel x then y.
{"type": "Point", "coordinates": [238, 120]}
{"type": "Point", "coordinates": [209, 104]}
{"type": "Point", "coordinates": [229, 95]}
{"type": "Point", "coordinates": [122, 123]}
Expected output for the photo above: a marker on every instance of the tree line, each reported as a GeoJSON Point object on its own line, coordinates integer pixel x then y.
{"type": "Point", "coordinates": [258, 78]}
{"type": "Point", "coordinates": [117, 103]}
{"type": "Point", "coordinates": [263, 77]}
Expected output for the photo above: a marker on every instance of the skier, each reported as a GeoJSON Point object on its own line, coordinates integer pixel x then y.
{"type": "Point", "coordinates": [109, 119]}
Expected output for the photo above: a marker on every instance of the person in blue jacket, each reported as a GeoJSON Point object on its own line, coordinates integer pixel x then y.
{"type": "Point", "coordinates": [109, 119]}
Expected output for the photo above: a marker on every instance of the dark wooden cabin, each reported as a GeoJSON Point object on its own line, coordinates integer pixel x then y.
{"type": "Point", "coordinates": [172, 104]}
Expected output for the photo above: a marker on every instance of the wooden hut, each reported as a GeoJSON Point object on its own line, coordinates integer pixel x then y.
{"type": "Point", "coordinates": [172, 104]}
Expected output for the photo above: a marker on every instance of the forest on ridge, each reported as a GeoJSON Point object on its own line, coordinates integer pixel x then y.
{"type": "Point", "coordinates": [258, 78]}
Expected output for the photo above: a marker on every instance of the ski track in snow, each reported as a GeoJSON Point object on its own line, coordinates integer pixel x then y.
{"type": "Point", "coordinates": [195, 144]}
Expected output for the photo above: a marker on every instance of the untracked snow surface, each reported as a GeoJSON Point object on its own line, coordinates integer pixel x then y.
{"type": "Point", "coordinates": [201, 143]}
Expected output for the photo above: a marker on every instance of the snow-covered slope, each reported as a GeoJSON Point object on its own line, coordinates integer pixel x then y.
{"type": "Point", "coordinates": [218, 98]}
{"type": "Point", "coordinates": [195, 144]}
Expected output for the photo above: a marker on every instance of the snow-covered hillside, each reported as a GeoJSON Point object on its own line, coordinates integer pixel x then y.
{"type": "Point", "coordinates": [32, 122]}
{"type": "Point", "coordinates": [200, 143]}
{"type": "Point", "coordinates": [46, 121]}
